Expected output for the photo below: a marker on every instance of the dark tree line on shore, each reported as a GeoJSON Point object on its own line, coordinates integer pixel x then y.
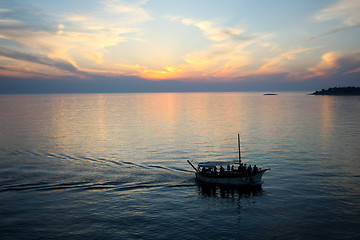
{"type": "Point", "coordinates": [339, 91]}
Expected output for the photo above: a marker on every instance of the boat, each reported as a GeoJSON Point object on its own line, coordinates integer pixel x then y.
{"type": "Point", "coordinates": [228, 173]}
{"type": "Point", "coordinates": [270, 94]}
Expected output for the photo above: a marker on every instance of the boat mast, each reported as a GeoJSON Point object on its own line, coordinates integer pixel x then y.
{"type": "Point", "coordinates": [239, 149]}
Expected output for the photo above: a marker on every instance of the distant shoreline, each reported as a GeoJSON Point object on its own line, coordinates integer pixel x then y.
{"type": "Point", "coordinates": [339, 91]}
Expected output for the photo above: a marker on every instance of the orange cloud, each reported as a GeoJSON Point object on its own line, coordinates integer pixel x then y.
{"type": "Point", "coordinates": [328, 65]}
{"type": "Point", "coordinates": [81, 40]}
{"type": "Point", "coordinates": [331, 64]}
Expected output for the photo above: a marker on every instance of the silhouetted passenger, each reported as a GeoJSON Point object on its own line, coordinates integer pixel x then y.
{"type": "Point", "coordinates": [255, 170]}
{"type": "Point", "coordinates": [222, 169]}
{"type": "Point", "coordinates": [249, 170]}
{"type": "Point", "coordinates": [242, 169]}
{"type": "Point", "coordinates": [228, 168]}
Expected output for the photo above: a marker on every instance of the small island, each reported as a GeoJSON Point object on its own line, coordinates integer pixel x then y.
{"type": "Point", "coordinates": [339, 91]}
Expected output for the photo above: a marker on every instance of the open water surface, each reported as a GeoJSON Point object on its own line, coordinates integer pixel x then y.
{"type": "Point", "coordinates": [113, 166]}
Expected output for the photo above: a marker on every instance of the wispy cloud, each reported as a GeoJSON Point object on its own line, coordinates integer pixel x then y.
{"type": "Point", "coordinates": [344, 11]}
{"type": "Point", "coordinates": [232, 54]}
{"type": "Point", "coordinates": [57, 63]}
{"type": "Point", "coordinates": [347, 11]}
{"type": "Point", "coordinates": [70, 41]}
{"type": "Point", "coordinates": [130, 12]}
{"type": "Point", "coordinates": [279, 63]}
{"type": "Point", "coordinates": [226, 56]}
{"type": "Point", "coordinates": [214, 33]}
{"type": "Point", "coordinates": [292, 54]}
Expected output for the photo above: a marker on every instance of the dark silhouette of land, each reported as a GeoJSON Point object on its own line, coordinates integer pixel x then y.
{"type": "Point", "coordinates": [339, 91]}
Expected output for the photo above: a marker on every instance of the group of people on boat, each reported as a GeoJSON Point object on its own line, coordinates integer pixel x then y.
{"type": "Point", "coordinates": [242, 169]}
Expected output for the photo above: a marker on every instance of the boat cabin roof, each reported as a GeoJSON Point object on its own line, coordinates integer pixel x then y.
{"type": "Point", "coordinates": [214, 164]}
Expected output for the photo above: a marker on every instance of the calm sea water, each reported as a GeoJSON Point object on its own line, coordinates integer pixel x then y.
{"type": "Point", "coordinates": [113, 166]}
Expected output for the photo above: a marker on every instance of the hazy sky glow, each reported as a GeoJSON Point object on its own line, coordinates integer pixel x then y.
{"type": "Point", "coordinates": [192, 41]}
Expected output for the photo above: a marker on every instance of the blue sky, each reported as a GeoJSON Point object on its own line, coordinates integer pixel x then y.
{"type": "Point", "coordinates": [281, 43]}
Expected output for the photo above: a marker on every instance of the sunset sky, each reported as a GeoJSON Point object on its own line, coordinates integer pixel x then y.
{"type": "Point", "coordinates": [255, 43]}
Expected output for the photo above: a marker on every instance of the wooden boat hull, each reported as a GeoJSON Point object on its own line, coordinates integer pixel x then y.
{"type": "Point", "coordinates": [232, 179]}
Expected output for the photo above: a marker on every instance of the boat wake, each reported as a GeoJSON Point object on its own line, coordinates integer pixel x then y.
{"type": "Point", "coordinates": [47, 171]}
